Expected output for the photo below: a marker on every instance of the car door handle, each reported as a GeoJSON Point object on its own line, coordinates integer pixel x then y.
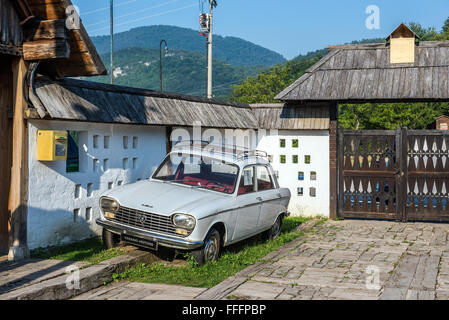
{"type": "Point", "coordinates": [259, 198]}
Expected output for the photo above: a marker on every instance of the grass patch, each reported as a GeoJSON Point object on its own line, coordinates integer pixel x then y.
{"type": "Point", "coordinates": [91, 250]}
{"type": "Point", "coordinates": [232, 260]}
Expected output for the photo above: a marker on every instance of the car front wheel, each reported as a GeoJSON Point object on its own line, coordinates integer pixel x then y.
{"type": "Point", "coordinates": [110, 240]}
{"type": "Point", "coordinates": [211, 249]}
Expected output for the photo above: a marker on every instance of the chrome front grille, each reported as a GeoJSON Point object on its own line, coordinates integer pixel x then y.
{"type": "Point", "coordinates": [145, 220]}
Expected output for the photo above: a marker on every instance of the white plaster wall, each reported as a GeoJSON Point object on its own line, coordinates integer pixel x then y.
{"type": "Point", "coordinates": [315, 144]}
{"type": "Point", "coordinates": [51, 197]}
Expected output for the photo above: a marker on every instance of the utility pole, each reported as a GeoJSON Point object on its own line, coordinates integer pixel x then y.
{"type": "Point", "coordinates": [212, 5]}
{"type": "Point", "coordinates": [112, 41]}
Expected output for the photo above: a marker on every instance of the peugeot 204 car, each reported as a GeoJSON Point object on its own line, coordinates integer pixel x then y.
{"type": "Point", "coordinates": [199, 200]}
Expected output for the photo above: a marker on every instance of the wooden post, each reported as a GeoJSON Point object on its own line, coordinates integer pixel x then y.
{"type": "Point", "coordinates": [168, 132]}
{"type": "Point", "coordinates": [333, 148]}
{"type": "Point", "coordinates": [19, 171]}
{"type": "Point", "coordinates": [5, 149]}
{"type": "Point", "coordinates": [340, 178]}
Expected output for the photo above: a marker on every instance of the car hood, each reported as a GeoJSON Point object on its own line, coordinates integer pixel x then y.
{"type": "Point", "coordinates": [168, 198]}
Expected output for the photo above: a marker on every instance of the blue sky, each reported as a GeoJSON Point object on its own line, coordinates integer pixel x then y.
{"type": "Point", "coordinates": [290, 27]}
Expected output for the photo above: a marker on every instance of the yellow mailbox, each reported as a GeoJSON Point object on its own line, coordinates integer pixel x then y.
{"type": "Point", "coordinates": [51, 145]}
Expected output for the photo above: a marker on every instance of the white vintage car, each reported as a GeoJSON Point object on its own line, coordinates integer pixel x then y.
{"type": "Point", "coordinates": [200, 199]}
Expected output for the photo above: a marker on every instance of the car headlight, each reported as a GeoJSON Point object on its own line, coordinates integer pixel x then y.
{"type": "Point", "coordinates": [109, 207]}
{"type": "Point", "coordinates": [184, 221]}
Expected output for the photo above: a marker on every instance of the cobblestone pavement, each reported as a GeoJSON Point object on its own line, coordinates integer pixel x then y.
{"type": "Point", "coordinates": [357, 260]}
{"type": "Point", "coordinates": [336, 260]}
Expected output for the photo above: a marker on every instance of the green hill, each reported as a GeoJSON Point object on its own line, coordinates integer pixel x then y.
{"type": "Point", "coordinates": [183, 71]}
{"type": "Point", "coordinates": [232, 50]}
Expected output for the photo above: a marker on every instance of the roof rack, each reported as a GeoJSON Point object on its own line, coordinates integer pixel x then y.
{"type": "Point", "coordinates": [252, 153]}
{"type": "Point", "coordinates": [210, 147]}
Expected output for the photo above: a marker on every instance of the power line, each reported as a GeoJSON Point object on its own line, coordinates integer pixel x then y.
{"type": "Point", "coordinates": [135, 12]}
{"type": "Point", "coordinates": [147, 17]}
{"type": "Point", "coordinates": [106, 8]}
{"type": "Point", "coordinates": [215, 87]}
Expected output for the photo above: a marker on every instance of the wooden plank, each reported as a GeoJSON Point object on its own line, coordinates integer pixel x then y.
{"type": "Point", "coordinates": [46, 50]}
{"type": "Point", "coordinates": [19, 170]}
{"type": "Point", "coordinates": [46, 30]}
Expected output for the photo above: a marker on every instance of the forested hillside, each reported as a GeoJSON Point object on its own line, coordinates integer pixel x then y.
{"type": "Point", "coordinates": [232, 50]}
{"type": "Point", "coordinates": [183, 71]}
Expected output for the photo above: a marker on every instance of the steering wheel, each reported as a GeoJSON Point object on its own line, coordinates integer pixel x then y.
{"type": "Point", "coordinates": [217, 184]}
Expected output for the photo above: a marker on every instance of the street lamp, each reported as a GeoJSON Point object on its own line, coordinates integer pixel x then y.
{"type": "Point", "coordinates": [160, 59]}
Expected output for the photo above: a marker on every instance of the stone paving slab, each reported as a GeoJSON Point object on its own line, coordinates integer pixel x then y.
{"type": "Point", "coordinates": [48, 280]}
{"type": "Point", "coordinates": [16, 275]}
{"type": "Point", "coordinates": [124, 290]}
{"type": "Point", "coordinates": [353, 260]}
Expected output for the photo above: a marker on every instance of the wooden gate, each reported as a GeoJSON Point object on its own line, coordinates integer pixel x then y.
{"type": "Point", "coordinates": [398, 175]}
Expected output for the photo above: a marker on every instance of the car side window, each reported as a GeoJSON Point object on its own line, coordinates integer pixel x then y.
{"type": "Point", "coordinates": [264, 180]}
{"type": "Point", "coordinates": [247, 184]}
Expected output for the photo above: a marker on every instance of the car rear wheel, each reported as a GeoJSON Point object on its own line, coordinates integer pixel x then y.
{"type": "Point", "coordinates": [275, 229]}
{"type": "Point", "coordinates": [211, 249]}
{"type": "Point", "coordinates": [110, 240]}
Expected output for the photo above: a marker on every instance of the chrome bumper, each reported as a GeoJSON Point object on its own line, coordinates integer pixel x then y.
{"type": "Point", "coordinates": [162, 240]}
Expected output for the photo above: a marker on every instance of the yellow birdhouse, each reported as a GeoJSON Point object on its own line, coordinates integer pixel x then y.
{"type": "Point", "coordinates": [52, 145]}
{"type": "Point", "coordinates": [402, 45]}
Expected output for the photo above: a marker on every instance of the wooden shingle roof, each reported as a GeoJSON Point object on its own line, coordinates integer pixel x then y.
{"type": "Point", "coordinates": [78, 100]}
{"type": "Point", "coordinates": [292, 117]}
{"type": "Point", "coordinates": [363, 73]}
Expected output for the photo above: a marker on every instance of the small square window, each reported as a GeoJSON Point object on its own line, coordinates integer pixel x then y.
{"type": "Point", "coordinates": [89, 190]}
{"type": "Point", "coordinates": [295, 159]}
{"type": "Point", "coordinates": [96, 139]}
{"type": "Point", "coordinates": [300, 192]}
{"type": "Point", "coordinates": [77, 191]}
{"type": "Point", "coordinates": [282, 143]}
{"type": "Point", "coordinates": [125, 163]}
{"type": "Point", "coordinates": [301, 176]}
{"type": "Point", "coordinates": [110, 185]}
{"type": "Point", "coordinates": [307, 159]}
{"type": "Point", "coordinates": [313, 192]}
{"type": "Point", "coordinates": [120, 183]}
{"type": "Point", "coordinates": [76, 214]}
{"type": "Point", "coordinates": [295, 143]}
{"type": "Point", "coordinates": [312, 176]}
{"type": "Point", "coordinates": [283, 159]}
{"type": "Point", "coordinates": [106, 165]}
{"type": "Point", "coordinates": [134, 163]}
{"type": "Point", "coordinates": [106, 142]}
{"type": "Point", "coordinates": [96, 164]}
{"type": "Point", "coordinates": [125, 142]}
{"type": "Point", "coordinates": [88, 214]}
{"type": "Point", "coordinates": [135, 142]}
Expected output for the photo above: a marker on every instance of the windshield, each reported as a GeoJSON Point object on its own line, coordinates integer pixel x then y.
{"type": "Point", "coordinates": [198, 171]}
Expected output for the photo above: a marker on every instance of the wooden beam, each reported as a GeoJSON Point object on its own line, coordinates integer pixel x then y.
{"type": "Point", "coordinates": [333, 148]}
{"type": "Point", "coordinates": [46, 50]}
{"type": "Point", "coordinates": [46, 30]}
{"type": "Point", "coordinates": [19, 172]}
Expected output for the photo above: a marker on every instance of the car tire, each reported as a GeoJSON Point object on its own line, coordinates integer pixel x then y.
{"type": "Point", "coordinates": [210, 250]}
{"type": "Point", "coordinates": [110, 240]}
{"type": "Point", "coordinates": [275, 230]}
